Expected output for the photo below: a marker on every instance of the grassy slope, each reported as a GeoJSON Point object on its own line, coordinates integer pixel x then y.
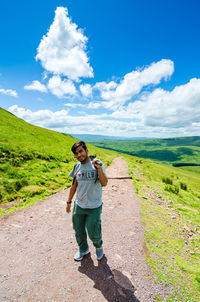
{"type": "Point", "coordinates": [35, 162]}
{"type": "Point", "coordinates": [170, 151]}
{"type": "Point", "coordinates": [171, 218]}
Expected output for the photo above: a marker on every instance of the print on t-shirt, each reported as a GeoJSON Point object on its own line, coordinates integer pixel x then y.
{"type": "Point", "coordinates": [87, 175]}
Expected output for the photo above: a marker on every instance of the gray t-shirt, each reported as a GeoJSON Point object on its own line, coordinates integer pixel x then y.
{"type": "Point", "coordinates": [88, 192]}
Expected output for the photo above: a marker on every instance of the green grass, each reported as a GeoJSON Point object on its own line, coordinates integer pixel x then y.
{"type": "Point", "coordinates": [34, 162]}
{"type": "Point", "coordinates": [171, 221]}
{"type": "Point", "coordinates": [191, 169]}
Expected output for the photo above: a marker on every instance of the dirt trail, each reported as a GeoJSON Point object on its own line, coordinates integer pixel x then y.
{"type": "Point", "coordinates": [37, 246]}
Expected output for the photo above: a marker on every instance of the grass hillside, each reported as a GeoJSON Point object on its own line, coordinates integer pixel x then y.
{"type": "Point", "coordinates": [181, 151]}
{"type": "Point", "coordinates": [170, 204]}
{"type": "Point", "coordinates": [35, 162]}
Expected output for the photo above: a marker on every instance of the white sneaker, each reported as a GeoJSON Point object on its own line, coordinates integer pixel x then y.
{"type": "Point", "coordinates": [79, 256]}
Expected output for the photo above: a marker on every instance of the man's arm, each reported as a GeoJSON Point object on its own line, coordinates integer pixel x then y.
{"type": "Point", "coordinates": [72, 191]}
{"type": "Point", "coordinates": [102, 177]}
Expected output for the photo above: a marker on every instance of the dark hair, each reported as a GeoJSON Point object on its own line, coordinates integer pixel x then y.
{"type": "Point", "coordinates": [76, 145]}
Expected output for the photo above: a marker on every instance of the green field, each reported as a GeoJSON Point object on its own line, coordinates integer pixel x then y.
{"type": "Point", "coordinates": [35, 163]}
{"type": "Point", "coordinates": [174, 151]}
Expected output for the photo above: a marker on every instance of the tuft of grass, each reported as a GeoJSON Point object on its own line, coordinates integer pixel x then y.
{"type": "Point", "coordinates": [183, 186]}
{"type": "Point", "coordinates": [173, 189]}
{"type": "Point", "coordinates": [167, 180]}
{"type": "Point", "coordinates": [32, 190]}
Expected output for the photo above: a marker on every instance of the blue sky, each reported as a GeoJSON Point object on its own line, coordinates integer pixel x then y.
{"type": "Point", "coordinates": [124, 68]}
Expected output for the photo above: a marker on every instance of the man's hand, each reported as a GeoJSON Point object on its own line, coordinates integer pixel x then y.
{"type": "Point", "coordinates": [97, 163]}
{"type": "Point", "coordinates": [68, 208]}
{"type": "Point", "coordinates": [71, 194]}
{"type": "Point", "coordinates": [102, 177]}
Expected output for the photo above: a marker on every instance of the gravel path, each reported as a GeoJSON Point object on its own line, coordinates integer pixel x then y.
{"type": "Point", "coordinates": [37, 246]}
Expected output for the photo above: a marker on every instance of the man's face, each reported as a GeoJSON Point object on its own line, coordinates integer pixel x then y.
{"type": "Point", "coordinates": [81, 154]}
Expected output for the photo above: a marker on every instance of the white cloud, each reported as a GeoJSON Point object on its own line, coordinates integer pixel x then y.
{"type": "Point", "coordinates": [64, 122]}
{"type": "Point", "coordinates": [44, 75]}
{"type": "Point", "coordinates": [90, 105]}
{"type": "Point", "coordinates": [94, 105]}
{"type": "Point", "coordinates": [60, 87]}
{"type": "Point", "coordinates": [63, 49]}
{"type": "Point", "coordinates": [97, 124]}
{"type": "Point", "coordinates": [178, 109]}
{"type": "Point", "coordinates": [36, 85]}
{"type": "Point", "coordinates": [71, 105]}
{"type": "Point", "coordinates": [133, 82]}
{"type": "Point", "coordinates": [9, 92]}
{"type": "Point", "coordinates": [131, 111]}
{"type": "Point", "coordinates": [103, 86]}
{"type": "Point", "coordinates": [86, 90]}
{"type": "Point", "coordinates": [74, 105]}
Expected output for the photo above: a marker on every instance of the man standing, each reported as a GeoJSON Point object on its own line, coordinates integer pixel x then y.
{"type": "Point", "coordinates": [88, 179]}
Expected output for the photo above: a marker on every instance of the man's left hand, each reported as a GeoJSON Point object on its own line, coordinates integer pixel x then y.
{"type": "Point", "coordinates": [97, 163]}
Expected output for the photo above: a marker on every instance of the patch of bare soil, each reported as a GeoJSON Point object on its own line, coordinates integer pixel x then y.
{"type": "Point", "coordinates": [37, 246]}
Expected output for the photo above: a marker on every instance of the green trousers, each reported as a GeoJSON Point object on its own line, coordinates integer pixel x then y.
{"type": "Point", "coordinates": [90, 220]}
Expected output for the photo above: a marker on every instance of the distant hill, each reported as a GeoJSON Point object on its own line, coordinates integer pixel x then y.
{"type": "Point", "coordinates": [93, 137]}
{"type": "Point", "coordinates": [179, 151]}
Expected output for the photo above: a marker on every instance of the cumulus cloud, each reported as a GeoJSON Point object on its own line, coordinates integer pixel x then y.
{"type": "Point", "coordinates": [60, 87]}
{"type": "Point", "coordinates": [9, 92]}
{"type": "Point", "coordinates": [64, 122]}
{"type": "Point", "coordinates": [131, 111]}
{"type": "Point", "coordinates": [179, 108]}
{"type": "Point", "coordinates": [103, 86]}
{"type": "Point", "coordinates": [63, 49]}
{"type": "Point", "coordinates": [133, 82]}
{"type": "Point", "coordinates": [36, 85]}
{"type": "Point", "coordinates": [97, 124]}
{"type": "Point", "coordinates": [86, 90]}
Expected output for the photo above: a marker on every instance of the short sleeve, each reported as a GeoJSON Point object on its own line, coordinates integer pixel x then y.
{"type": "Point", "coordinates": [71, 174]}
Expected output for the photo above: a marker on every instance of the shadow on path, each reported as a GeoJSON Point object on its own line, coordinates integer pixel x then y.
{"type": "Point", "coordinates": [114, 286]}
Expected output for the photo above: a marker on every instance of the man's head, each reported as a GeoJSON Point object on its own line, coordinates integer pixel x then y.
{"type": "Point", "coordinates": [80, 151]}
